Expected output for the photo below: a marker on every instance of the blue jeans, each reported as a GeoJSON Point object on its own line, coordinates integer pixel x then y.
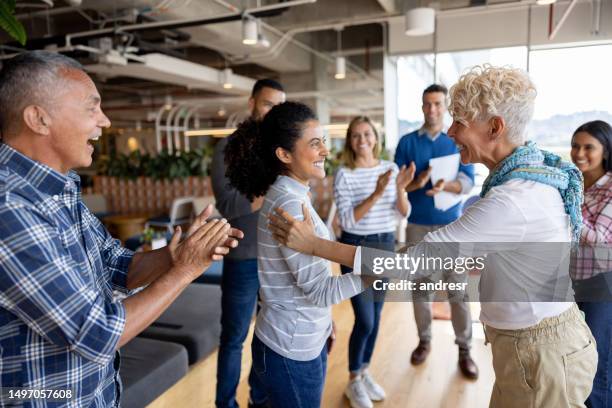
{"type": "Point", "coordinates": [367, 309]}
{"type": "Point", "coordinates": [598, 316]}
{"type": "Point", "coordinates": [239, 286]}
{"type": "Point", "coordinates": [289, 383]}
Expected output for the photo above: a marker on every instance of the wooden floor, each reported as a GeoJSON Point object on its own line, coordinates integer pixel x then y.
{"type": "Point", "coordinates": [437, 383]}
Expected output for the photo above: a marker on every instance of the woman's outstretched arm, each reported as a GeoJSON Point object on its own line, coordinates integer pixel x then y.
{"type": "Point", "coordinates": [303, 238]}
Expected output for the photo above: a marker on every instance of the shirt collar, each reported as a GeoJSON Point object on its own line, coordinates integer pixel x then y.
{"type": "Point", "coordinates": [39, 175]}
{"type": "Point", "coordinates": [433, 138]}
{"type": "Point", "coordinates": [293, 185]}
{"type": "Point", "coordinates": [603, 180]}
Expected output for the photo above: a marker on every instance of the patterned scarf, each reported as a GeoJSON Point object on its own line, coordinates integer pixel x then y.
{"type": "Point", "coordinates": [528, 162]}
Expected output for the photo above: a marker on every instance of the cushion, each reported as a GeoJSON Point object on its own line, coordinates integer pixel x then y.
{"type": "Point", "coordinates": [193, 320]}
{"type": "Point", "coordinates": [148, 368]}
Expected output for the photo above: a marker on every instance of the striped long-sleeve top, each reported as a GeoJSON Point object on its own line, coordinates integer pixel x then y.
{"type": "Point", "coordinates": [353, 186]}
{"type": "Point", "coordinates": [296, 290]}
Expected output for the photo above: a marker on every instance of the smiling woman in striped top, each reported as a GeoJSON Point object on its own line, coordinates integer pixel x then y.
{"type": "Point", "coordinates": [276, 158]}
{"type": "Point", "coordinates": [371, 197]}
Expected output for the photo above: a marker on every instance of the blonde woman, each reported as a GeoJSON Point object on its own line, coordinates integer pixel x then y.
{"type": "Point", "coordinates": [371, 197]}
{"type": "Point", "coordinates": [544, 354]}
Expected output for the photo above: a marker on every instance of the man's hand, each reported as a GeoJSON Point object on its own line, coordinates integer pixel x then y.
{"type": "Point", "coordinates": [200, 220]}
{"type": "Point", "coordinates": [438, 187]}
{"type": "Point", "coordinates": [204, 244]}
{"type": "Point", "coordinates": [297, 235]}
{"type": "Point", "coordinates": [420, 181]}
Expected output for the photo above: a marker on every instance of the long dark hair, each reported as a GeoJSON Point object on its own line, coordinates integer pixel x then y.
{"type": "Point", "coordinates": [601, 131]}
{"type": "Point", "coordinates": [250, 154]}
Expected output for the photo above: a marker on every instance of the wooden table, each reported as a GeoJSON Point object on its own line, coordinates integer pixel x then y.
{"type": "Point", "coordinates": [125, 226]}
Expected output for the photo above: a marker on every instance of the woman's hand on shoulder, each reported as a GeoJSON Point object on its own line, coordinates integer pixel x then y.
{"type": "Point", "coordinates": [297, 235]}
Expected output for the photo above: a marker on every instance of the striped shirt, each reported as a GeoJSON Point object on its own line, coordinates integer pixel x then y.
{"type": "Point", "coordinates": [594, 254]}
{"type": "Point", "coordinates": [296, 290]}
{"type": "Point", "coordinates": [59, 266]}
{"type": "Point", "coordinates": [353, 186]}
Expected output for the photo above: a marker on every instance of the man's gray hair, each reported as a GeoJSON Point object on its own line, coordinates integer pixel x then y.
{"type": "Point", "coordinates": [30, 78]}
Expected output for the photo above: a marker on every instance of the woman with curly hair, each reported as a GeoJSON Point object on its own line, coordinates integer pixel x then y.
{"type": "Point", "coordinates": [293, 331]}
{"type": "Point", "coordinates": [544, 354]}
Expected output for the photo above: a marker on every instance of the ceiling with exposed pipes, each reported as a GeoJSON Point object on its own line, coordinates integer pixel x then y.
{"type": "Point", "coordinates": [144, 54]}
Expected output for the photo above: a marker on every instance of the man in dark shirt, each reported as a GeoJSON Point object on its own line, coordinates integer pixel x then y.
{"type": "Point", "coordinates": [240, 282]}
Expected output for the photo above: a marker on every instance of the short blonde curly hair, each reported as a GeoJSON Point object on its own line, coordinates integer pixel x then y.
{"type": "Point", "coordinates": [487, 91]}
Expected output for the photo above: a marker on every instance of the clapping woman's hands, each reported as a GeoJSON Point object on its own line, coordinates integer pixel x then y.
{"type": "Point", "coordinates": [405, 176]}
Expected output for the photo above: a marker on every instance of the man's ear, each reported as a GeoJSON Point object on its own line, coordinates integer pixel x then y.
{"type": "Point", "coordinates": [283, 155]}
{"type": "Point", "coordinates": [37, 119]}
{"type": "Point", "coordinates": [497, 126]}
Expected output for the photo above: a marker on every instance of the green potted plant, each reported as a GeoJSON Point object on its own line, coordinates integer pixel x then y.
{"type": "Point", "coordinates": [9, 23]}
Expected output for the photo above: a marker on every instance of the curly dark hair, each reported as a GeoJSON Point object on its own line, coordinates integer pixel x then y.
{"type": "Point", "coordinates": [250, 154]}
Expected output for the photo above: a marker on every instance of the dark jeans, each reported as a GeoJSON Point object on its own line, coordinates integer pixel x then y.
{"type": "Point", "coordinates": [239, 286]}
{"type": "Point", "coordinates": [598, 317]}
{"type": "Point", "coordinates": [289, 383]}
{"type": "Point", "coordinates": [367, 309]}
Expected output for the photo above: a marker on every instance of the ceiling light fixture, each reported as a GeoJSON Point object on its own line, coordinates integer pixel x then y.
{"type": "Point", "coordinates": [340, 61]}
{"type": "Point", "coordinates": [249, 30]}
{"type": "Point", "coordinates": [340, 68]}
{"type": "Point", "coordinates": [226, 78]}
{"type": "Point", "coordinates": [545, 2]}
{"type": "Point", "coordinates": [168, 102]}
{"type": "Point", "coordinates": [420, 21]}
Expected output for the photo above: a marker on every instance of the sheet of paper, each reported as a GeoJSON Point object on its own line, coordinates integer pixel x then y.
{"type": "Point", "coordinates": [445, 168]}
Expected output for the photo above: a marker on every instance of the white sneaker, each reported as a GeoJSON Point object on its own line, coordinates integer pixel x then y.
{"type": "Point", "coordinates": [357, 394]}
{"type": "Point", "coordinates": [374, 390]}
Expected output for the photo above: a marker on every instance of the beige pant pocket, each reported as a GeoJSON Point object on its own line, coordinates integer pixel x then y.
{"type": "Point", "coordinates": [580, 367]}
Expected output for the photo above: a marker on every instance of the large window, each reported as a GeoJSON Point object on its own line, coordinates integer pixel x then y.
{"type": "Point", "coordinates": [416, 72]}
{"type": "Point", "coordinates": [574, 86]}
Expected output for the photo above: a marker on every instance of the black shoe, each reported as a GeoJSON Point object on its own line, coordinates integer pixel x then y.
{"type": "Point", "coordinates": [419, 355]}
{"type": "Point", "coordinates": [467, 365]}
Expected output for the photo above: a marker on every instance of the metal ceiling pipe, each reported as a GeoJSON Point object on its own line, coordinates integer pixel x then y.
{"type": "Point", "coordinates": [564, 17]}
{"type": "Point", "coordinates": [158, 25]}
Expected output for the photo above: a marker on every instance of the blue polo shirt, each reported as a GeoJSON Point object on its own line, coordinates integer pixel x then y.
{"type": "Point", "coordinates": [419, 147]}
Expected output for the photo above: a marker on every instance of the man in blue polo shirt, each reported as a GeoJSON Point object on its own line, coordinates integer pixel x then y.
{"type": "Point", "coordinates": [419, 147]}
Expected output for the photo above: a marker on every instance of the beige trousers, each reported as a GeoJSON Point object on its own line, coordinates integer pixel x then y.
{"type": "Point", "coordinates": [549, 365]}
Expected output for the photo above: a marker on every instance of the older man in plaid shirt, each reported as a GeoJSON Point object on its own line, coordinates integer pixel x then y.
{"type": "Point", "coordinates": [60, 324]}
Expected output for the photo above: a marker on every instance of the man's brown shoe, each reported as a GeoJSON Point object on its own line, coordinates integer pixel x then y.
{"type": "Point", "coordinates": [419, 355]}
{"type": "Point", "coordinates": [467, 365]}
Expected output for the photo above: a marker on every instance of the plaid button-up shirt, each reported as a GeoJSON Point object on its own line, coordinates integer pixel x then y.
{"type": "Point", "coordinates": [594, 255]}
{"type": "Point", "coordinates": [59, 325]}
